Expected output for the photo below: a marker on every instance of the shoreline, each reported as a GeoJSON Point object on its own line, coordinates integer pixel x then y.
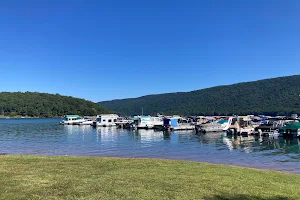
{"type": "Point", "coordinates": [26, 117]}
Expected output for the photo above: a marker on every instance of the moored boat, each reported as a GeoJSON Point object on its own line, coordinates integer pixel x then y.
{"type": "Point", "coordinates": [290, 130]}
{"type": "Point", "coordinates": [211, 124]}
{"type": "Point", "coordinates": [105, 120]}
{"type": "Point", "coordinates": [88, 121]}
{"type": "Point", "coordinates": [72, 120]}
{"type": "Point", "coordinates": [177, 123]}
{"type": "Point", "coordinates": [271, 126]}
{"type": "Point", "coordinates": [148, 122]}
{"type": "Point", "coordinates": [124, 122]}
{"type": "Point", "coordinates": [241, 125]}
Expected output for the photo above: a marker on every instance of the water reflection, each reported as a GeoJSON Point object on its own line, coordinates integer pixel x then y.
{"type": "Point", "coordinates": [167, 135]}
{"type": "Point", "coordinates": [265, 146]}
{"type": "Point", "coordinates": [107, 133]}
{"type": "Point", "coordinates": [146, 138]}
{"type": "Point", "coordinates": [46, 137]}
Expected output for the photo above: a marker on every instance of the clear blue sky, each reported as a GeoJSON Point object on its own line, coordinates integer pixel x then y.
{"type": "Point", "coordinates": [102, 50]}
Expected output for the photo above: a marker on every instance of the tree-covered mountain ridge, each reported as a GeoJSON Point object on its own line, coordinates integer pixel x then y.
{"type": "Point", "coordinates": [34, 104]}
{"type": "Point", "coordinates": [274, 96]}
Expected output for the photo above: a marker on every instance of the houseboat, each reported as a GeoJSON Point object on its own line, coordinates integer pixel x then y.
{"type": "Point", "coordinates": [105, 120]}
{"type": "Point", "coordinates": [72, 120]}
{"type": "Point", "coordinates": [148, 122]}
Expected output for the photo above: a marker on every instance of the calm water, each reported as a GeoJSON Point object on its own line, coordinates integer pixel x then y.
{"type": "Point", "coordinates": [46, 137]}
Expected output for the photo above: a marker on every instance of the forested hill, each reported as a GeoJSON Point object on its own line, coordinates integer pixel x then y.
{"type": "Point", "coordinates": [35, 104]}
{"type": "Point", "coordinates": [276, 96]}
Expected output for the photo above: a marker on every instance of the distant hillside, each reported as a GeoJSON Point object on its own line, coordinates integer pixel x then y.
{"type": "Point", "coordinates": [35, 104]}
{"type": "Point", "coordinates": [276, 96]}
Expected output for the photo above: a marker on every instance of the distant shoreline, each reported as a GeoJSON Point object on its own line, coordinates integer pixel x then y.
{"type": "Point", "coordinates": [26, 117]}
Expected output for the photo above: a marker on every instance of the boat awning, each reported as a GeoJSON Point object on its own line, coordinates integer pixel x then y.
{"type": "Point", "coordinates": [71, 116]}
{"type": "Point", "coordinates": [292, 126]}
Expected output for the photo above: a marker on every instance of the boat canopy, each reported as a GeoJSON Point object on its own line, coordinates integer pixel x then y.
{"type": "Point", "coordinates": [293, 126]}
{"type": "Point", "coordinates": [207, 118]}
{"type": "Point", "coordinates": [146, 116]}
{"type": "Point", "coordinates": [71, 116]}
{"type": "Point", "coordinates": [171, 122]}
{"type": "Point", "coordinates": [135, 118]}
{"type": "Point", "coordinates": [222, 121]}
{"type": "Point", "coordinates": [107, 115]}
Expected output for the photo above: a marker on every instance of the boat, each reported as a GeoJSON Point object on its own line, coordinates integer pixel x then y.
{"type": "Point", "coordinates": [133, 125]}
{"type": "Point", "coordinates": [144, 122]}
{"type": "Point", "coordinates": [177, 123]}
{"type": "Point", "coordinates": [214, 126]}
{"type": "Point", "coordinates": [241, 125]}
{"type": "Point", "coordinates": [148, 122]}
{"type": "Point", "coordinates": [88, 121]}
{"type": "Point", "coordinates": [157, 122]}
{"type": "Point", "coordinates": [105, 120]}
{"type": "Point", "coordinates": [123, 122]}
{"type": "Point", "coordinates": [290, 130]}
{"type": "Point", "coordinates": [72, 120]}
{"type": "Point", "coordinates": [271, 126]}
{"type": "Point", "coordinates": [210, 124]}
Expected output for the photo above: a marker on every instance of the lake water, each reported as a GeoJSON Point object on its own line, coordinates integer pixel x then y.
{"type": "Point", "coordinates": [46, 137]}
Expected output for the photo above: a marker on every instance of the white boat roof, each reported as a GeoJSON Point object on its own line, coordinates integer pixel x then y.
{"type": "Point", "coordinates": [207, 117]}
{"type": "Point", "coordinates": [72, 116]}
{"type": "Point", "coordinates": [108, 115]}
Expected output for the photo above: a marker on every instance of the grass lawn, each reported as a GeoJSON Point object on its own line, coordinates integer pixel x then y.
{"type": "Point", "coordinates": [37, 177]}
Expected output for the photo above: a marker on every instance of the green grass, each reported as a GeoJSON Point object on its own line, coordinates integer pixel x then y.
{"type": "Point", "coordinates": [35, 177]}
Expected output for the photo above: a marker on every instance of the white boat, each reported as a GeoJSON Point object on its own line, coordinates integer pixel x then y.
{"type": "Point", "coordinates": [177, 123]}
{"type": "Point", "coordinates": [87, 121]}
{"type": "Point", "coordinates": [148, 122]}
{"type": "Point", "coordinates": [72, 120]}
{"type": "Point", "coordinates": [123, 122]}
{"type": "Point", "coordinates": [214, 126]}
{"type": "Point", "coordinates": [240, 125]}
{"type": "Point", "coordinates": [106, 120]}
{"type": "Point", "coordinates": [211, 124]}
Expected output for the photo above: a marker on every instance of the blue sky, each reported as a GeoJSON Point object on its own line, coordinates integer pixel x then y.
{"type": "Point", "coordinates": [102, 50]}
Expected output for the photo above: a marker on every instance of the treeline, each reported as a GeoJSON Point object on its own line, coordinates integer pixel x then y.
{"type": "Point", "coordinates": [34, 104]}
{"type": "Point", "coordinates": [277, 96]}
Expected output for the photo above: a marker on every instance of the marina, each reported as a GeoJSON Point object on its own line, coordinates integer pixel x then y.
{"type": "Point", "coordinates": [140, 100]}
{"type": "Point", "coordinates": [233, 125]}
{"type": "Point", "coordinates": [47, 137]}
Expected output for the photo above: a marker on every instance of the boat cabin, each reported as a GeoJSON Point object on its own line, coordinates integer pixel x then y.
{"type": "Point", "coordinates": [72, 119]}
{"type": "Point", "coordinates": [149, 122]}
{"type": "Point", "coordinates": [107, 120]}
